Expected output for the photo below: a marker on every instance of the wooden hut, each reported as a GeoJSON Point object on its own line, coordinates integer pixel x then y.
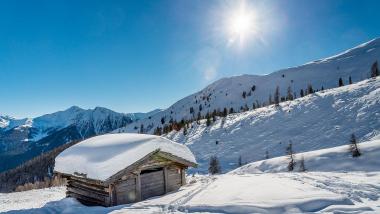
{"type": "Point", "coordinates": [115, 169]}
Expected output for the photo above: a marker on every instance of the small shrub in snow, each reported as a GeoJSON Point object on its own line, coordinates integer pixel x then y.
{"type": "Point", "coordinates": [214, 166]}
{"type": "Point", "coordinates": [277, 96]}
{"type": "Point", "coordinates": [340, 82]}
{"type": "Point", "coordinates": [302, 165]}
{"type": "Point", "coordinates": [240, 163]}
{"type": "Point", "coordinates": [354, 147]}
{"type": "Point", "coordinates": [374, 70]}
{"type": "Point", "coordinates": [290, 153]}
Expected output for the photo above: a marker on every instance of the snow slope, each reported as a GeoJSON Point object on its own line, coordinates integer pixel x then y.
{"type": "Point", "coordinates": [246, 190]}
{"type": "Point", "coordinates": [102, 156]}
{"type": "Point", "coordinates": [228, 92]}
{"type": "Point", "coordinates": [325, 160]}
{"type": "Point", "coordinates": [321, 120]}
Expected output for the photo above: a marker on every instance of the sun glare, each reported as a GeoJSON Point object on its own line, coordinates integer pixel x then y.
{"type": "Point", "coordinates": [240, 24]}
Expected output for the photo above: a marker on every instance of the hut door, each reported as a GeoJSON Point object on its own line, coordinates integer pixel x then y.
{"type": "Point", "coordinates": [152, 183]}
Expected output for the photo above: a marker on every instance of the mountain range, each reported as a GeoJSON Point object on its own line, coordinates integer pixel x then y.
{"type": "Point", "coordinates": [23, 139]}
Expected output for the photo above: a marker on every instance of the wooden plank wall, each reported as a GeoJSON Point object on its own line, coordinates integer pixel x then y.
{"type": "Point", "coordinates": [88, 193]}
{"type": "Point", "coordinates": [126, 191]}
{"type": "Point", "coordinates": [174, 178]}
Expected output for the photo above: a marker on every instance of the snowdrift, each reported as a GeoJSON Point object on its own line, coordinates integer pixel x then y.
{"type": "Point", "coordinates": [337, 159]}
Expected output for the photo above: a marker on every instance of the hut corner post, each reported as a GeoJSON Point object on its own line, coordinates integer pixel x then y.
{"type": "Point", "coordinates": [166, 179]}
{"type": "Point", "coordinates": [138, 187]}
{"type": "Point", "coordinates": [112, 195]}
{"type": "Point", "coordinates": [183, 176]}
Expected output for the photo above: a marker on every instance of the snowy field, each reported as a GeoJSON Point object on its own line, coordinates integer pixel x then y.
{"type": "Point", "coordinates": [250, 189]}
{"type": "Point", "coordinates": [230, 193]}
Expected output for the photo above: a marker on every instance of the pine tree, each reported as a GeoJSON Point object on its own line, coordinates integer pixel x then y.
{"type": "Point", "coordinates": [302, 93]}
{"type": "Point", "coordinates": [225, 112]}
{"type": "Point", "coordinates": [290, 153]}
{"type": "Point", "coordinates": [374, 70]}
{"type": "Point", "coordinates": [310, 89]}
{"type": "Point", "coordinates": [185, 130]}
{"type": "Point", "coordinates": [141, 128]}
{"type": "Point", "coordinates": [244, 95]}
{"type": "Point", "coordinates": [231, 110]}
{"type": "Point", "coordinates": [340, 82]}
{"type": "Point", "coordinates": [270, 100]}
{"type": "Point", "coordinates": [240, 163]}
{"type": "Point", "coordinates": [214, 166]}
{"type": "Point", "coordinates": [208, 120]}
{"type": "Point", "coordinates": [266, 154]}
{"type": "Point", "coordinates": [302, 165]}
{"type": "Point", "coordinates": [354, 146]}
{"type": "Point", "coordinates": [277, 96]}
{"type": "Point", "coordinates": [162, 120]}
{"type": "Point", "coordinates": [349, 80]}
{"type": "Point", "coordinates": [290, 94]}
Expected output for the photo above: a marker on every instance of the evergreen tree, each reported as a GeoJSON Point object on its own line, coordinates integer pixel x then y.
{"type": "Point", "coordinates": [231, 110]}
{"type": "Point", "coordinates": [266, 154]}
{"type": "Point", "coordinates": [349, 80]}
{"type": "Point", "coordinates": [270, 100]}
{"type": "Point", "coordinates": [354, 147]}
{"type": "Point", "coordinates": [302, 93]}
{"type": "Point", "coordinates": [310, 89]}
{"type": "Point", "coordinates": [214, 166]}
{"type": "Point", "coordinates": [374, 70]}
{"type": "Point", "coordinates": [290, 153]}
{"type": "Point", "coordinates": [225, 112]}
{"type": "Point", "coordinates": [185, 130]}
{"type": "Point", "coordinates": [141, 128]}
{"type": "Point", "coordinates": [244, 95]}
{"type": "Point", "coordinates": [302, 165]}
{"type": "Point", "coordinates": [290, 94]}
{"type": "Point", "coordinates": [208, 120]}
{"type": "Point", "coordinates": [340, 82]}
{"type": "Point", "coordinates": [162, 120]}
{"type": "Point", "coordinates": [277, 96]}
{"type": "Point", "coordinates": [199, 116]}
{"type": "Point", "coordinates": [240, 163]}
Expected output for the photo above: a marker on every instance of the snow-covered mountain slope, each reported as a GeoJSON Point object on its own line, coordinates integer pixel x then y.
{"type": "Point", "coordinates": [320, 120]}
{"type": "Point", "coordinates": [336, 159]}
{"type": "Point", "coordinates": [228, 92]}
{"type": "Point", "coordinates": [253, 188]}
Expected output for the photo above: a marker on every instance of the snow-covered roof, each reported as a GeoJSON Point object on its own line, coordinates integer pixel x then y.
{"type": "Point", "coordinates": [103, 156]}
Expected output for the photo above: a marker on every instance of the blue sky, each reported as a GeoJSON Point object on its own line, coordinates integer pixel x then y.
{"type": "Point", "coordinates": [134, 56]}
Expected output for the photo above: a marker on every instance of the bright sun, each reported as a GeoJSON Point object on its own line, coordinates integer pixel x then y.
{"type": "Point", "coordinates": [240, 24]}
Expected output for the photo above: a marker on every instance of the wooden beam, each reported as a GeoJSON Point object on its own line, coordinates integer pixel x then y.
{"type": "Point", "coordinates": [88, 186]}
{"type": "Point", "coordinates": [183, 176]}
{"type": "Point", "coordinates": [87, 194]}
{"type": "Point", "coordinates": [86, 200]}
{"type": "Point", "coordinates": [176, 159]}
{"type": "Point", "coordinates": [166, 179]}
{"type": "Point", "coordinates": [138, 188]}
